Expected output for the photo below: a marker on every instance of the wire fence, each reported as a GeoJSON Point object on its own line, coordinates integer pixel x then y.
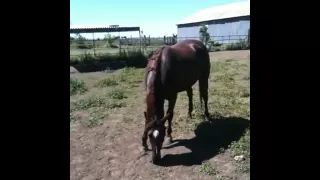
{"type": "Point", "coordinates": [146, 44]}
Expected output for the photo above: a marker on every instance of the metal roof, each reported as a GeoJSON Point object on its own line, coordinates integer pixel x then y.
{"type": "Point", "coordinates": [94, 29]}
{"type": "Point", "coordinates": [219, 12]}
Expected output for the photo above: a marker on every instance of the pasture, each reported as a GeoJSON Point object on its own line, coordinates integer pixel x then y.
{"type": "Point", "coordinates": [107, 121]}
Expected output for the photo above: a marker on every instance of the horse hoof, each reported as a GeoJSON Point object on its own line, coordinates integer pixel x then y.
{"type": "Point", "coordinates": [155, 159]}
{"type": "Point", "coordinates": [168, 142]}
{"type": "Point", "coordinates": [143, 151]}
{"type": "Point", "coordinates": [207, 118]}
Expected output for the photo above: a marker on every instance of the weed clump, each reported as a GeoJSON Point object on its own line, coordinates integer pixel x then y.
{"type": "Point", "coordinates": [77, 86]}
{"type": "Point", "coordinates": [107, 82]}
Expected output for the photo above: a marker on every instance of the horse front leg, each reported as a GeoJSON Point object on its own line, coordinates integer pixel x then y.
{"type": "Point", "coordinates": [190, 94]}
{"type": "Point", "coordinates": [144, 146]}
{"type": "Point", "coordinates": [144, 138]}
{"type": "Point", "coordinates": [172, 102]}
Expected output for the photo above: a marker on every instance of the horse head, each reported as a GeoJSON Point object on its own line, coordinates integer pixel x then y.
{"type": "Point", "coordinates": [156, 133]}
{"type": "Point", "coordinates": [154, 127]}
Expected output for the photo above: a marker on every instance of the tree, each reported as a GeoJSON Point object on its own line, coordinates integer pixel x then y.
{"type": "Point", "coordinates": [81, 41]}
{"type": "Point", "coordinates": [110, 39]}
{"type": "Point", "coordinates": [204, 35]}
{"type": "Point", "coordinates": [174, 38]}
{"type": "Point", "coordinates": [71, 39]}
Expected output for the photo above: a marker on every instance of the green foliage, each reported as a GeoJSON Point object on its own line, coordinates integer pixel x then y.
{"type": "Point", "coordinates": [204, 35]}
{"type": "Point", "coordinates": [240, 45]}
{"type": "Point", "coordinates": [208, 169]}
{"type": "Point", "coordinates": [96, 117]}
{"type": "Point", "coordinates": [77, 86]}
{"type": "Point", "coordinates": [242, 146]}
{"type": "Point", "coordinates": [80, 42]}
{"type": "Point", "coordinates": [110, 40]}
{"type": "Point", "coordinates": [71, 39]}
{"type": "Point", "coordinates": [115, 104]}
{"type": "Point", "coordinates": [130, 75]}
{"type": "Point", "coordinates": [94, 101]}
{"type": "Point", "coordinates": [117, 94]}
{"type": "Point", "coordinates": [174, 38]}
{"type": "Point", "coordinates": [131, 58]}
{"type": "Point", "coordinates": [109, 81]}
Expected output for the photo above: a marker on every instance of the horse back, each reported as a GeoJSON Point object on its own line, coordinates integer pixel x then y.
{"type": "Point", "coordinates": [182, 64]}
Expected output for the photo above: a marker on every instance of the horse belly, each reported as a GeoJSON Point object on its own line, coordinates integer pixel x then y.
{"type": "Point", "coordinates": [185, 83]}
{"type": "Point", "coordinates": [184, 78]}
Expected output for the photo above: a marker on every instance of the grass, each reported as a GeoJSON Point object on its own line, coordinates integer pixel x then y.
{"type": "Point", "coordinates": [110, 81]}
{"type": "Point", "coordinates": [208, 169]}
{"type": "Point", "coordinates": [94, 101]}
{"type": "Point", "coordinates": [242, 146]}
{"type": "Point", "coordinates": [77, 86]}
{"type": "Point", "coordinates": [96, 118]}
{"type": "Point", "coordinates": [95, 97]}
{"type": "Point", "coordinates": [117, 94]}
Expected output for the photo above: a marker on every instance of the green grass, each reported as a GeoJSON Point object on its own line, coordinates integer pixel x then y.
{"type": "Point", "coordinates": [96, 117]}
{"type": "Point", "coordinates": [116, 104]}
{"type": "Point", "coordinates": [94, 101]}
{"type": "Point", "coordinates": [117, 94]}
{"type": "Point", "coordinates": [242, 146]}
{"type": "Point", "coordinates": [77, 86]}
{"type": "Point", "coordinates": [131, 75]}
{"type": "Point", "coordinates": [109, 81]}
{"type": "Point", "coordinates": [208, 169]}
{"type": "Point", "coordinates": [73, 118]}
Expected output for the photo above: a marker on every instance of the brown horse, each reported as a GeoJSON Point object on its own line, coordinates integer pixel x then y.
{"type": "Point", "coordinates": [170, 70]}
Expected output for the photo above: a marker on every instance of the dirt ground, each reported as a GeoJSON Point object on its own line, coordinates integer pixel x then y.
{"type": "Point", "coordinates": [106, 124]}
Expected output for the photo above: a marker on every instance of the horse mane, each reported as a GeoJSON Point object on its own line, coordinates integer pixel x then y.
{"type": "Point", "coordinates": [153, 63]}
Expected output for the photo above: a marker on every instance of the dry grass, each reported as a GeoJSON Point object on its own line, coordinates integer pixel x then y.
{"type": "Point", "coordinates": [110, 105]}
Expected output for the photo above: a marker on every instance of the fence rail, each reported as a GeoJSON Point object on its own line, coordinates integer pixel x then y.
{"type": "Point", "coordinates": [98, 46]}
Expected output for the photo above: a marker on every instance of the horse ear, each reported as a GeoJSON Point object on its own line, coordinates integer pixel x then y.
{"type": "Point", "coordinates": [145, 114]}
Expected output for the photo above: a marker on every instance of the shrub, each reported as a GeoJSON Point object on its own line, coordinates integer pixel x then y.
{"type": "Point", "coordinates": [240, 45]}
{"type": "Point", "coordinates": [135, 58]}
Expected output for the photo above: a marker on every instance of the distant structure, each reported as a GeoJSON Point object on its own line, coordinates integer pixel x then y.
{"type": "Point", "coordinates": [226, 22]}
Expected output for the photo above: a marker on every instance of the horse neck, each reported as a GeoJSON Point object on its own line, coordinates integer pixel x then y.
{"type": "Point", "coordinates": [155, 97]}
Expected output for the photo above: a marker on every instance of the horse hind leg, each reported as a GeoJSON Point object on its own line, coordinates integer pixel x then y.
{"type": "Point", "coordinates": [203, 90]}
{"type": "Point", "coordinates": [190, 94]}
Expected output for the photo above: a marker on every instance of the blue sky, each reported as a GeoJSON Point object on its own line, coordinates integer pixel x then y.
{"type": "Point", "coordinates": [157, 18]}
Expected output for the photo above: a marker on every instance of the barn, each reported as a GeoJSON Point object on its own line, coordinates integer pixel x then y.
{"type": "Point", "coordinates": [226, 23]}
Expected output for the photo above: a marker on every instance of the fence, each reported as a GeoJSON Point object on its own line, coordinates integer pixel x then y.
{"type": "Point", "coordinates": [221, 39]}
{"type": "Point", "coordinates": [97, 46]}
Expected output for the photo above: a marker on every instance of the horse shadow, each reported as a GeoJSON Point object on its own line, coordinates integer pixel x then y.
{"type": "Point", "coordinates": [210, 137]}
